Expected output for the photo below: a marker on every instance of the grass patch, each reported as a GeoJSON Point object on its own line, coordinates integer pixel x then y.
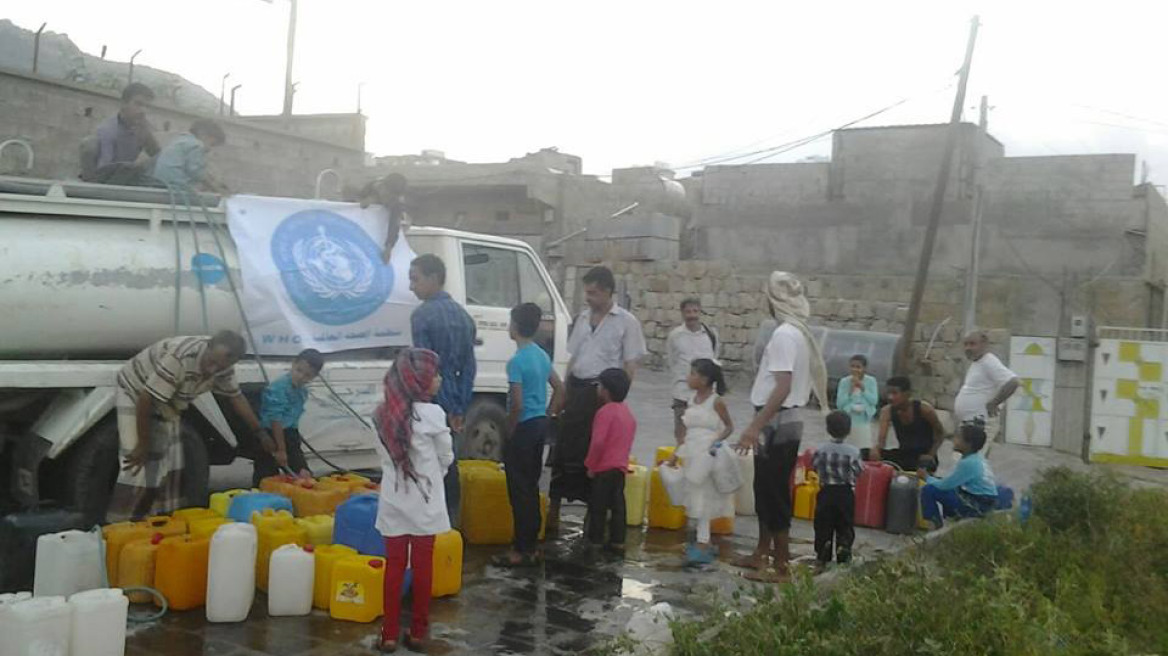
{"type": "Point", "coordinates": [1087, 574]}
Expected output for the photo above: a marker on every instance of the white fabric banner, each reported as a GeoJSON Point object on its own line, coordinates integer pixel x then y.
{"type": "Point", "coordinates": [313, 275]}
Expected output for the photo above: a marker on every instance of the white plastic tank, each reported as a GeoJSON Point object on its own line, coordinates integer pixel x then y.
{"type": "Point", "coordinates": [39, 627]}
{"type": "Point", "coordinates": [290, 581]}
{"type": "Point", "coordinates": [99, 622]}
{"type": "Point", "coordinates": [7, 600]}
{"type": "Point", "coordinates": [744, 497]}
{"type": "Point", "coordinates": [231, 573]}
{"type": "Point", "coordinates": [100, 279]}
{"type": "Point", "coordinates": [68, 562]}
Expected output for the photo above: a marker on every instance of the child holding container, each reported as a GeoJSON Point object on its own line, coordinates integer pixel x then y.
{"type": "Point", "coordinates": [706, 422]}
{"type": "Point", "coordinates": [416, 452]}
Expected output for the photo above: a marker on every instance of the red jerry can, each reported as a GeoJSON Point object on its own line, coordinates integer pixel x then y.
{"type": "Point", "coordinates": [872, 493]}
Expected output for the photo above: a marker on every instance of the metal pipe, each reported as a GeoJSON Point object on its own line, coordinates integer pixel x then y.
{"type": "Point", "coordinates": [320, 179]}
{"type": "Point", "coordinates": [132, 58]}
{"type": "Point", "coordinates": [223, 91]}
{"type": "Point", "coordinates": [36, 48]}
{"type": "Point", "coordinates": [359, 85]}
{"type": "Point", "coordinates": [27, 149]}
{"type": "Point", "coordinates": [288, 65]}
{"type": "Point", "coordinates": [233, 90]}
{"type": "Point", "coordinates": [103, 49]}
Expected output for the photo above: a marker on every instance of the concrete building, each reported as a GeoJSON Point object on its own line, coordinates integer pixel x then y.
{"type": "Point", "coordinates": [274, 156]}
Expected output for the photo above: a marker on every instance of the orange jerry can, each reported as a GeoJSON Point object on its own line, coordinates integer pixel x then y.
{"type": "Point", "coordinates": [282, 485]}
{"type": "Point", "coordinates": [269, 539]}
{"type": "Point", "coordinates": [662, 514]}
{"type": "Point", "coordinates": [167, 526]}
{"type": "Point", "coordinates": [136, 567]}
{"type": "Point", "coordinates": [722, 526]}
{"type": "Point", "coordinates": [805, 496]}
{"type": "Point", "coordinates": [117, 536]}
{"type": "Point", "coordinates": [309, 499]}
{"type": "Point", "coordinates": [351, 483]}
{"type": "Point", "coordinates": [358, 589]}
{"type": "Point", "coordinates": [189, 515]}
{"type": "Point", "coordinates": [180, 571]}
{"type": "Point", "coordinates": [448, 551]}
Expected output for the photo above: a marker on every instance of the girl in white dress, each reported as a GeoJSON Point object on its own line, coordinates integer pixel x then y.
{"type": "Point", "coordinates": [707, 422]}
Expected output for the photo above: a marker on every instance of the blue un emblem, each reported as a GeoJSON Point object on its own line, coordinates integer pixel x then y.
{"type": "Point", "coordinates": [331, 268]}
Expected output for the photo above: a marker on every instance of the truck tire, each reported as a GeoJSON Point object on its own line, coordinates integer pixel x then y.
{"type": "Point", "coordinates": [92, 471]}
{"type": "Point", "coordinates": [485, 430]}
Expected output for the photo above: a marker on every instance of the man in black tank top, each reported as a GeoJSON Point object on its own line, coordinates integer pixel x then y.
{"type": "Point", "coordinates": [918, 429]}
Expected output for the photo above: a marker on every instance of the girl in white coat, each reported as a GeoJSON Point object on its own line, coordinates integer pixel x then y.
{"type": "Point", "coordinates": [707, 421]}
{"type": "Point", "coordinates": [416, 453]}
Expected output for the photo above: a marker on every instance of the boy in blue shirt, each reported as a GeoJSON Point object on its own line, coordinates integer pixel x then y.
{"type": "Point", "coordinates": [970, 489]}
{"type": "Point", "coordinates": [280, 411]}
{"type": "Point", "coordinates": [529, 372]}
{"type": "Point", "coordinates": [182, 164]}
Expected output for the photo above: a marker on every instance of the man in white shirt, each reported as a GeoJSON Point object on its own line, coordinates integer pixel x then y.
{"type": "Point", "coordinates": [988, 384]}
{"type": "Point", "coordinates": [790, 370]}
{"type": "Point", "coordinates": [604, 336]}
{"type": "Point", "coordinates": [693, 340]}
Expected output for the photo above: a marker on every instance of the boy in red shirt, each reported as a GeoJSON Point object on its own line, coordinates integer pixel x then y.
{"type": "Point", "coordinates": [608, 461]}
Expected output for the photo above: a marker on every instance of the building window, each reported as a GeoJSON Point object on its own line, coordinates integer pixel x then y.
{"type": "Point", "coordinates": [502, 215]}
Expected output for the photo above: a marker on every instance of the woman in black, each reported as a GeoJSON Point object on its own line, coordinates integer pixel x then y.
{"type": "Point", "coordinates": [918, 430]}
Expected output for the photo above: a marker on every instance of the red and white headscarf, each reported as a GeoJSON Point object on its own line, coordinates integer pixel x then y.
{"type": "Point", "coordinates": [407, 382]}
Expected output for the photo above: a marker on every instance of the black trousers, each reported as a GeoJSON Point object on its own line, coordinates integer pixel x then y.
{"type": "Point", "coordinates": [265, 464]}
{"type": "Point", "coordinates": [523, 462]}
{"type": "Point", "coordinates": [569, 476]}
{"type": "Point", "coordinates": [606, 506]}
{"type": "Point", "coordinates": [452, 485]}
{"type": "Point", "coordinates": [772, 480]}
{"type": "Point", "coordinates": [835, 521]}
{"type": "Point", "coordinates": [908, 460]}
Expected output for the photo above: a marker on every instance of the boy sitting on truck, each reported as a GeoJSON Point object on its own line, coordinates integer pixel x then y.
{"type": "Point", "coordinates": [182, 164]}
{"type": "Point", "coordinates": [280, 412]}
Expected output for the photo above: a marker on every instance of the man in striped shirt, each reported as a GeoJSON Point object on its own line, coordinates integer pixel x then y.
{"type": "Point", "coordinates": [154, 388]}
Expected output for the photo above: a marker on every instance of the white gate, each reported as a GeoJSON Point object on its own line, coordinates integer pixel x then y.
{"type": "Point", "coordinates": [1129, 409]}
{"type": "Point", "coordinates": [1028, 418]}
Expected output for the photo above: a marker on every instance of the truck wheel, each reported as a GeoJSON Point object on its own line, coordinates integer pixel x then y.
{"type": "Point", "coordinates": [196, 469]}
{"type": "Point", "coordinates": [92, 471]}
{"type": "Point", "coordinates": [485, 430]}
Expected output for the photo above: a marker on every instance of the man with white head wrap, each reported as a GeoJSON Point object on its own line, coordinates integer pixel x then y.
{"type": "Point", "coordinates": [790, 370]}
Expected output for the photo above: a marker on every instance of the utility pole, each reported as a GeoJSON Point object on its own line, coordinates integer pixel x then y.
{"type": "Point", "coordinates": [223, 91]}
{"type": "Point", "coordinates": [974, 271]}
{"type": "Point", "coordinates": [288, 91]}
{"type": "Point", "coordinates": [36, 48]}
{"type": "Point", "coordinates": [233, 90]}
{"type": "Point", "coordinates": [132, 58]}
{"type": "Point", "coordinates": [914, 308]}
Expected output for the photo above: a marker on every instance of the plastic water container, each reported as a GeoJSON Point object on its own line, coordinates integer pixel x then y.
{"type": "Point", "coordinates": [165, 525]}
{"type": "Point", "coordinates": [662, 513]}
{"type": "Point", "coordinates": [744, 497]}
{"type": "Point", "coordinates": [271, 538]}
{"type": "Point", "coordinates": [231, 573]}
{"type": "Point", "coordinates": [903, 501]}
{"type": "Point", "coordinates": [636, 494]}
{"type": "Point", "coordinates": [99, 622]}
{"type": "Point", "coordinates": [268, 518]}
{"type": "Point", "coordinates": [358, 589]}
{"type": "Point", "coordinates": [722, 526]}
{"type": "Point", "coordinates": [18, 542]}
{"type": "Point", "coordinates": [354, 525]}
{"type": "Point", "coordinates": [189, 515]}
{"type": "Point", "coordinates": [805, 497]}
{"type": "Point", "coordinates": [180, 571]}
{"type": "Point", "coordinates": [872, 493]}
{"type": "Point", "coordinates": [38, 627]}
{"type": "Point", "coordinates": [290, 587]}
{"type": "Point", "coordinates": [448, 550]}
{"type": "Point", "coordinates": [117, 536]}
{"type": "Point", "coordinates": [802, 467]}
{"type": "Point", "coordinates": [283, 485]}
{"type": "Point", "coordinates": [7, 600]}
{"type": "Point", "coordinates": [486, 507]}
{"type": "Point", "coordinates": [67, 562]}
{"type": "Point", "coordinates": [221, 501]}
{"type": "Point", "coordinates": [309, 499]}
{"type": "Point", "coordinates": [319, 529]}
{"type": "Point", "coordinates": [244, 505]}
{"type": "Point", "coordinates": [325, 558]}
{"type": "Point", "coordinates": [353, 483]}
{"type": "Point", "coordinates": [136, 567]}
{"type": "Point", "coordinates": [205, 528]}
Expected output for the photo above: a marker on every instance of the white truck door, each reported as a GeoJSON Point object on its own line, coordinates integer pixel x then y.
{"type": "Point", "coordinates": [491, 276]}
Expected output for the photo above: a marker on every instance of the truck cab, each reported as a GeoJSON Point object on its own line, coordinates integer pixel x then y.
{"type": "Point", "coordinates": [91, 280]}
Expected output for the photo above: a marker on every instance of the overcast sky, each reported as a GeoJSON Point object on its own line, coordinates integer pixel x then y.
{"type": "Point", "coordinates": [625, 83]}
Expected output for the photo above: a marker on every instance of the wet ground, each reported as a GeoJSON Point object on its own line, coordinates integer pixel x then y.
{"type": "Point", "coordinates": [571, 603]}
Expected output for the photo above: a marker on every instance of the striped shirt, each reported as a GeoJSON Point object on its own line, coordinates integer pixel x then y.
{"type": "Point", "coordinates": [169, 372]}
{"type": "Point", "coordinates": [838, 463]}
{"type": "Point", "coordinates": [443, 326]}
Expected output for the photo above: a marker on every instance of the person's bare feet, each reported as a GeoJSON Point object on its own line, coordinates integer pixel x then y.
{"type": "Point", "coordinates": [768, 575]}
{"type": "Point", "coordinates": [752, 560]}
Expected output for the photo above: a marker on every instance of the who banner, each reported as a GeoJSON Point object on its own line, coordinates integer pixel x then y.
{"type": "Point", "coordinates": [314, 275]}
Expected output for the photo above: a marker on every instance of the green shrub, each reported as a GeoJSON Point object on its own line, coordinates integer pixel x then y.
{"type": "Point", "coordinates": [1087, 575]}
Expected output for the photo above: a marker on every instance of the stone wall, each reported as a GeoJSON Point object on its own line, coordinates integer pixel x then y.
{"type": "Point", "coordinates": [734, 304]}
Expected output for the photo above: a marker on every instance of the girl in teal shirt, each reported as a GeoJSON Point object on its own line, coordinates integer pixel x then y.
{"type": "Point", "coordinates": [857, 396]}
